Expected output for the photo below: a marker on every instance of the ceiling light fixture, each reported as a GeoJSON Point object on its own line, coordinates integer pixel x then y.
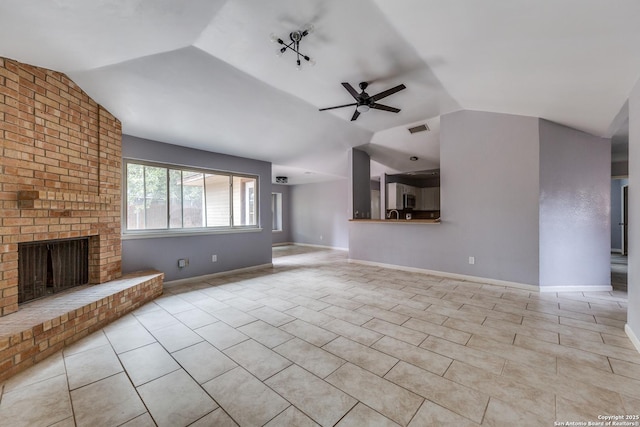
{"type": "Point", "coordinates": [296, 37]}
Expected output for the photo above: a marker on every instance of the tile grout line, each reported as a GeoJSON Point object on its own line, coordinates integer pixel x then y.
{"type": "Point", "coordinates": [239, 289]}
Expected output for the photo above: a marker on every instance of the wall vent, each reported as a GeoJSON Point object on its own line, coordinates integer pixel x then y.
{"type": "Point", "coordinates": [281, 179]}
{"type": "Point", "coordinates": [420, 128]}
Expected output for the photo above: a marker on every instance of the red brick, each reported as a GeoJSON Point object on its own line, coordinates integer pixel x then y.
{"type": "Point", "coordinates": [40, 111]}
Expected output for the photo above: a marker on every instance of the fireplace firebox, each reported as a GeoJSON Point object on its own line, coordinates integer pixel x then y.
{"type": "Point", "coordinates": [51, 266]}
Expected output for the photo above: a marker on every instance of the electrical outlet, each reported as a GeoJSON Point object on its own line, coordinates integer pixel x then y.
{"type": "Point", "coordinates": [214, 258]}
{"type": "Point", "coordinates": [321, 237]}
{"type": "Point", "coordinates": [472, 260]}
{"type": "Point", "coordinates": [182, 263]}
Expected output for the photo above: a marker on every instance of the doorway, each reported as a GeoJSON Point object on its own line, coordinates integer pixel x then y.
{"type": "Point", "coordinates": [619, 232]}
{"type": "Point", "coordinates": [625, 219]}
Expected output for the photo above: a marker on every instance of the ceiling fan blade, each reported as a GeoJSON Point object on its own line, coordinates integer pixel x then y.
{"type": "Point", "coordinates": [355, 115]}
{"type": "Point", "coordinates": [385, 108]}
{"type": "Point", "coordinates": [387, 92]}
{"type": "Point", "coordinates": [338, 106]}
{"type": "Point", "coordinates": [351, 90]}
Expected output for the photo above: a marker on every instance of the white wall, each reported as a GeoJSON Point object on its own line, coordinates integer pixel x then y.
{"type": "Point", "coordinates": [489, 197]}
{"type": "Point", "coordinates": [319, 213]}
{"type": "Point", "coordinates": [575, 187]}
{"type": "Point", "coordinates": [633, 287]}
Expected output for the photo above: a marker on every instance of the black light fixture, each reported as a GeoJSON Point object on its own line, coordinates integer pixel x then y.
{"type": "Point", "coordinates": [294, 45]}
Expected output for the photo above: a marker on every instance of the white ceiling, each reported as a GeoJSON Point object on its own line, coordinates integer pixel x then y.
{"type": "Point", "coordinates": [204, 73]}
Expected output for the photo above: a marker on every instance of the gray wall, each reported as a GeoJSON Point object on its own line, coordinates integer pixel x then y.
{"type": "Point", "coordinates": [283, 236]}
{"type": "Point", "coordinates": [319, 213]}
{"type": "Point", "coordinates": [575, 185]}
{"type": "Point", "coordinates": [361, 178]}
{"type": "Point", "coordinates": [633, 287]}
{"type": "Point", "coordinates": [620, 169]}
{"type": "Point", "coordinates": [489, 196]}
{"type": "Point", "coordinates": [616, 213]}
{"type": "Point", "coordinates": [235, 250]}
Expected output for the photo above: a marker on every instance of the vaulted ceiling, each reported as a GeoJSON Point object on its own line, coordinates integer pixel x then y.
{"type": "Point", "coordinates": [204, 74]}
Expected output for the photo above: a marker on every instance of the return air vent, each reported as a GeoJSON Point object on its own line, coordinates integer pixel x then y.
{"type": "Point", "coordinates": [420, 128]}
{"type": "Point", "coordinates": [282, 179]}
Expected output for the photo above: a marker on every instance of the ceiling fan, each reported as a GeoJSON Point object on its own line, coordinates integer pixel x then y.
{"type": "Point", "coordinates": [364, 102]}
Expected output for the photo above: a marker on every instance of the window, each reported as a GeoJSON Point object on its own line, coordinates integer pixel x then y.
{"type": "Point", "coordinates": [162, 197]}
{"type": "Point", "coordinates": [276, 211]}
{"type": "Point", "coordinates": [244, 194]}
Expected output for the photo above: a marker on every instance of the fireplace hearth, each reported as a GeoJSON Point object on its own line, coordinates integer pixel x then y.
{"type": "Point", "coordinates": [47, 267]}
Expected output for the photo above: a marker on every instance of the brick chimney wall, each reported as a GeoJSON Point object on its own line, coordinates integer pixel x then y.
{"type": "Point", "coordinates": [60, 172]}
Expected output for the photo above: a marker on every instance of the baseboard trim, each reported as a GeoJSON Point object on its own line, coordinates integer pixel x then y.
{"type": "Point", "coordinates": [335, 248]}
{"type": "Point", "coordinates": [448, 275]}
{"type": "Point", "coordinates": [282, 244]}
{"type": "Point", "coordinates": [597, 288]}
{"type": "Point", "coordinates": [214, 275]}
{"type": "Point", "coordinates": [634, 339]}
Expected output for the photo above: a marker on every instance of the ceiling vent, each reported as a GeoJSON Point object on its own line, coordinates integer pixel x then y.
{"type": "Point", "coordinates": [281, 179]}
{"type": "Point", "coordinates": [420, 128]}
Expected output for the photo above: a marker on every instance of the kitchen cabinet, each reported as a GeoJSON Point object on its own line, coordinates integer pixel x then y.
{"type": "Point", "coordinates": [395, 192]}
{"type": "Point", "coordinates": [408, 189]}
{"type": "Point", "coordinates": [394, 196]}
{"type": "Point", "coordinates": [429, 199]}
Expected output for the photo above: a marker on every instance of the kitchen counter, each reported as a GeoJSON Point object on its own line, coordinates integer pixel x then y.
{"type": "Point", "coordinates": [399, 221]}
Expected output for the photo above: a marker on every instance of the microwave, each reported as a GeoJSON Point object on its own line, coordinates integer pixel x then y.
{"type": "Point", "coordinates": [408, 201]}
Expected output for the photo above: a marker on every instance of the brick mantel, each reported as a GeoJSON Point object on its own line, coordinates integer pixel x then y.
{"type": "Point", "coordinates": [60, 172]}
{"type": "Point", "coordinates": [57, 200]}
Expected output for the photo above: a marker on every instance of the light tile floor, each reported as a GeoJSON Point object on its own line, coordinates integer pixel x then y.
{"type": "Point", "coordinates": [320, 341]}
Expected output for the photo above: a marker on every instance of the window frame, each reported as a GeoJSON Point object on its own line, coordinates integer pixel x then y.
{"type": "Point", "coordinates": [177, 231]}
{"type": "Point", "coordinates": [276, 212]}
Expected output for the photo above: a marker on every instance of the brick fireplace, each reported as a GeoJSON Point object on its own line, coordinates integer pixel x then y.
{"type": "Point", "coordinates": [60, 181]}
{"type": "Point", "coordinates": [60, 172]}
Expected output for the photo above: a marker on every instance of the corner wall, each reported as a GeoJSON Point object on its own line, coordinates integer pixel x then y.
{"type": "Point", "coordinates": [526, 198]}
{"type": "Point", "coordinates": [489, 198]}
{"type": "Point", "coordinates": [234, 250]}
{"type": "Point", "coordinates": [575, 204]}
{"type": "Point", "coordinates": [633, 287]}
{"type": "Point", "coordinates": [319, 213]}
